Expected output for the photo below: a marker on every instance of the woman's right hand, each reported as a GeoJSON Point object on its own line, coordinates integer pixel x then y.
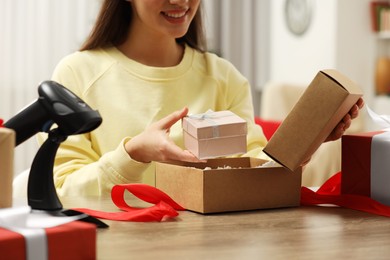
{"type": "Point", "coordinates": [154, 144]}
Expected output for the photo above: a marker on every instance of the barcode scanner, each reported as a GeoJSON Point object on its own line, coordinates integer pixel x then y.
{"type": "Point", "coordinates": [60, 113]}
{"type": "Point", "coordinates": [58, 105]}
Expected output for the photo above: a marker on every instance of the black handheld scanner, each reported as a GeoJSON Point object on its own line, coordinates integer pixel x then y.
{"type": "Point", "coordinates": [58, 105]}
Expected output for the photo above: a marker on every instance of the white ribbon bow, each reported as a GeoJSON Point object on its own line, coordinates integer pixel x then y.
{"type": "Point", "coordinates": [382, 121]}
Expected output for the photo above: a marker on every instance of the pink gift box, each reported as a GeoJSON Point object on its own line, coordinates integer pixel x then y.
{"type": "Point", "coordinates": [215, 134]}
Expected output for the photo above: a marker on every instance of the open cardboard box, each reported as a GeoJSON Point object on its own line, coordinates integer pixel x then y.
{"type": "Point", "coordinates": [229, 184]}
{"type": "Point", "coordinates": [7, 144]}
{"type": "Point", "coordinates": [243, 185]}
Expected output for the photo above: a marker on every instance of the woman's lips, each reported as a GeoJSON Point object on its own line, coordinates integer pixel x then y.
{"type": "Point", "coordinates": [176, 16]}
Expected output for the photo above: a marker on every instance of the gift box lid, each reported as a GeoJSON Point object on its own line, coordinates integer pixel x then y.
{"type": "Point", "coordinates": [327, 99]}
{"type": "Point", "coordinates": [214, 124]}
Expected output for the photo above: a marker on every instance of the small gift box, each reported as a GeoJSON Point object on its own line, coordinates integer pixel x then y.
{"type": "Point", "coordinates": [7, 144]}
{"type": "Point", "coordinates": [66, 239]}
{"type": "Point", "coordinates": [214, 134]}
{"type": "Point", "coordinates": [366, 166]}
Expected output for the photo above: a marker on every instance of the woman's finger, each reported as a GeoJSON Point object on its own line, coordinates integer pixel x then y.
{"type": "Point", "coordinates": [168, 121]}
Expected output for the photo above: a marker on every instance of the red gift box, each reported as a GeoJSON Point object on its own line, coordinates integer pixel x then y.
{"type": "Point", "coordinates": [365, 165]}
{"type": "Point", "coordinates": [74, 240]}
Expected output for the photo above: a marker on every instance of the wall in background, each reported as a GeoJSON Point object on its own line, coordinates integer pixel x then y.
{"type": "Point", "coordinates": [339, 37]}
{"type": "Point", "coordinates": [294, 58]}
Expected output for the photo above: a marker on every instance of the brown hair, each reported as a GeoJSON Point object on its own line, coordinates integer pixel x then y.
{"type": "Point", "coordinates": [115, 17]}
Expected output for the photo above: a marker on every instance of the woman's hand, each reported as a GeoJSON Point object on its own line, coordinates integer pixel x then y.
{"type": "Point", "coordinates": [154, 144]}
{"type": "Point", "coordinates": [345, 123]}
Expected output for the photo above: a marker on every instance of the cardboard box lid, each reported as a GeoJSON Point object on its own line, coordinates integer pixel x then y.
{"type": "Point", "coordinates": [214, 124]}
{"type": "Point", "coordinates": [327, 99]}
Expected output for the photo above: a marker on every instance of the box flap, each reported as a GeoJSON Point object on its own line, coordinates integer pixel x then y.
{"type": "Point", "coordinates": [343, 81]}
{"type": "Point", "coordinates": [321, 107]}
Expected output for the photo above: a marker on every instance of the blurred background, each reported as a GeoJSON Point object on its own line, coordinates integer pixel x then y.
{"type": "Point", "coordinates": [270, 42]}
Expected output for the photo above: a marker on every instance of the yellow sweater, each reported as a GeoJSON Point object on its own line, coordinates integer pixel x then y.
{"type": "Point", "coordinates": [129, 97]}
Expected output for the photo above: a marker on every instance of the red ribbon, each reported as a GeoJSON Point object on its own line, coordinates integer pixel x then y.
{"type": "Point", "coordinates": [1, 122]}
{"type": "Point", "coordinates": [164, 206]}
{"type": "Point", "coordinates": [330, 193]}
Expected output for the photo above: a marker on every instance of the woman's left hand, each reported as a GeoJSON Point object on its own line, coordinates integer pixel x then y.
{"type": "Point", "coordinates": [345, 123]}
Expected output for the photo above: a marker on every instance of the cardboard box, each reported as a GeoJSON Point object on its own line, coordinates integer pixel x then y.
{"type": "Point", "coordinates": [366, 166]}
{"type": "Point", "coordinates": [75, 240]}
{"type": "Point", "coordinates": [324, 103]}
{"type": "Point", "coordinates": [229, 184]}
{"type": "Point", "coordinates": [7, 145]}
{"type": "Point", "coordinates": [215, 134]}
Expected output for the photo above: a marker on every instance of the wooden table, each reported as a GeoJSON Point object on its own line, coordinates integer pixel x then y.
{"type": "Point", "coordinates": [289, 233]}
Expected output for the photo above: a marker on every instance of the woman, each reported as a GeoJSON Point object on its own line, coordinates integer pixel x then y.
{"type": "Point", "coordinates": [144, 67]}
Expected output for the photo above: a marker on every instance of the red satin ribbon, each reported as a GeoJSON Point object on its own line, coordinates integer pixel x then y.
{"type": "Point", "coordinates": [330, 193]}
{"type": "Point", "coordinates": [164, 206]}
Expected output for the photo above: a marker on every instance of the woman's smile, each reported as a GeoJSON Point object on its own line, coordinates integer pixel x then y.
{"type": "Point", "coordinates": [175, 16]}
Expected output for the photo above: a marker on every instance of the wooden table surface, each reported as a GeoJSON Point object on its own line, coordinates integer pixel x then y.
{"type": "Point", "coordinates": [289, 233]}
